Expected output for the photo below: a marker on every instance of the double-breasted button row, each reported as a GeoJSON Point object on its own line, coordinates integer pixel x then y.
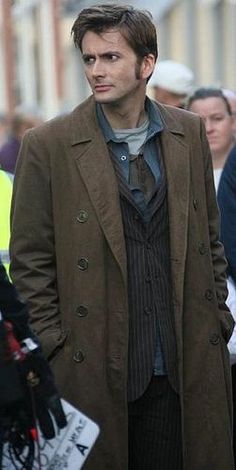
{"type": "Point", "coordinates": [83, 264]}
{"type": "Point", "coordinates": [82, 216]}
{"type": "Point", "coordinates": [82, 311]}
{"type": "Point", "coordinates": [79, 356]}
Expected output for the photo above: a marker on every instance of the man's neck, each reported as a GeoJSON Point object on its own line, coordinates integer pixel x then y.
{"type": "Point", "coordinates": [125, 117]}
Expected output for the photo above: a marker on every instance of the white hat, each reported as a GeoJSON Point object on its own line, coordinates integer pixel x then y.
{"type": "Point", "coordinates": [172, 76]}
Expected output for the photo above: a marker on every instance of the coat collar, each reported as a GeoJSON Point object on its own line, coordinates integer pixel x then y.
{"type": "Point", "coordinates": [84, 119]}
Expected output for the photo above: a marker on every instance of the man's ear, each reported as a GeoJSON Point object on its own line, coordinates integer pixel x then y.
{"type": "Point", "coordinates": [148, 65]}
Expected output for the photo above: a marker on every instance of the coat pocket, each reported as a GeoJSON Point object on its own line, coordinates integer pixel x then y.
{"type": "Point", "coordinates": [53, 342]}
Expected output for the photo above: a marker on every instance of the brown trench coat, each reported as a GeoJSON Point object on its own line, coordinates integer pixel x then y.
{"type": "Point", "coordinates": [69, 262]}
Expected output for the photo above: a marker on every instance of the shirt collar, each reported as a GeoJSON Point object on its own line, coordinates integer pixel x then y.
{"type": "Point", "coordinates": [155, 122]}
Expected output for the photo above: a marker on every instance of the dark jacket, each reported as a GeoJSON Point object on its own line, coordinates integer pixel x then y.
{"type": "Point", "coordinates": [227, 203]}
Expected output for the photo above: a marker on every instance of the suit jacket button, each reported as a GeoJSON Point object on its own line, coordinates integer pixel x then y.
{"type": "Point", "coordinates": [83, 264]}
{"type": "Point", "coordinates": [148, 310]}
{"type": "Point", "coordinates": [82, 216]}
{"type": "Point", "coordinates": [214, 339]}
{"type": "Point", "coordinates": [78, 356]}
{"type": "Point", "coordinates": [195, 204]}
{"type": "Point", "coordinates": [82, 311]}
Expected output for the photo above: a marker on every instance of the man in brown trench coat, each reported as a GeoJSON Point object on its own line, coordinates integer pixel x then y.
{"type": "Point", "coordinates": [115, 248]}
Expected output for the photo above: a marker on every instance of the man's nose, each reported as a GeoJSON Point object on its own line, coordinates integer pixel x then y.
{"type": "Point", "coordinates": [98, 69]}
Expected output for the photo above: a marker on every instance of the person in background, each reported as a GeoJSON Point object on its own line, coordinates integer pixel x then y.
{"type": "Point", "coordinates": [6, 181]}
{"type": "Point", "coordinates": [20, 359]}
{"type": "Point", "coordinates": [20, 122]}
{"type": "Point", "coordinates": [231, 97]}
{"type": "Point", "coordinates": [172, 82]}
{"type": "Point", "coordinates": [115, 247]}
{"type": "Point", "coordinates": [227, 205]}
{"type": "Point", "coordinates": [3, 129]}
{"type": "Point", "coordinates": [213, 106]}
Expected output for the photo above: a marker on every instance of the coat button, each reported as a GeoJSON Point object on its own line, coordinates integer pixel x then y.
{"type": "Point", "coordinates": [83, 264]}
{"type": "Point", "coordinates": [202, 248]}
{"type": "Point", "coordinates": [209, 294]}
{"type": "Point", "coordinates": [214, 338]}
{"type": "Point", "coordinates": [82, 311]}
{"type": "Point", "coordinates": [82, 216]}
{"type": "Point", "coordinates": [195, 204]}
{"type": "Point", "coordinates": [78, 356]}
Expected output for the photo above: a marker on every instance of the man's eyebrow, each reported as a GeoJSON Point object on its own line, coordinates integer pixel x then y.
{"type": "Point", "coordinates": [104, 54]}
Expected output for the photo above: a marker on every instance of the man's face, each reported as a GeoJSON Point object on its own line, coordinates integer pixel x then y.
{"type": "Point", "coordinates": [218, 123]}
{"type": "Point", "coordinates": [111, 67]}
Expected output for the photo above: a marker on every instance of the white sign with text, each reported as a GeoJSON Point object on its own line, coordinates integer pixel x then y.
{"type": "Point", "coordinates": [68, 450]}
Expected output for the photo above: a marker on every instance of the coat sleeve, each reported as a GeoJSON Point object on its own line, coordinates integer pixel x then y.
{"type": "Point", "coordinates": [32, 250]}
{"type": "Point", "coordinates": [217, 249]}
{"type": "Point", "coordinates": [227, 205]}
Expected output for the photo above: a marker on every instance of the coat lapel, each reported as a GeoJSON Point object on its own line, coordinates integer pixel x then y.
{"type": "Point", "coordinates": [176, 156]}
{"type": "Point", "coordinates": [92, 158]}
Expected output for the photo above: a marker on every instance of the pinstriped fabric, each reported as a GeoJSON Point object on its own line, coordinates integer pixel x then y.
{"type": "Point", "coordinates": [149, 286]}
{"type": "Point", "coordinates": [155, 438]}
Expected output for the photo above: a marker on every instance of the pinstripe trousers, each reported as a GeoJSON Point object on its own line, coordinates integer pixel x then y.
{"type": "Point", "coordinates": [155, 441]}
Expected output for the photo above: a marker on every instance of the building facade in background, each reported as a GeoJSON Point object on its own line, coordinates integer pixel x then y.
{"type": "Point", "coordinates": [41, 70]}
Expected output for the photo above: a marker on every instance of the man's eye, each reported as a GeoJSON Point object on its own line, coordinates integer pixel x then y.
{"type": "Point", "coordinates": [112, 57]}
{"type": "Point", "coordinates": [88, 60]}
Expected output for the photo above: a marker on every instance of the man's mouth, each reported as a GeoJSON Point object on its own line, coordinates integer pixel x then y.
{"type": "Point", "coordinates": [102, 88]}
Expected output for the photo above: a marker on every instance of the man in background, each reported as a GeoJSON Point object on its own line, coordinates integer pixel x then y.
{"type": "Point", "coordinates": [172, 82]}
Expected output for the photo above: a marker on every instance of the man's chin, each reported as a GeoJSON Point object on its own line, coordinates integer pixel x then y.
{"type": "Point", "coordinates": [103, 99]}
